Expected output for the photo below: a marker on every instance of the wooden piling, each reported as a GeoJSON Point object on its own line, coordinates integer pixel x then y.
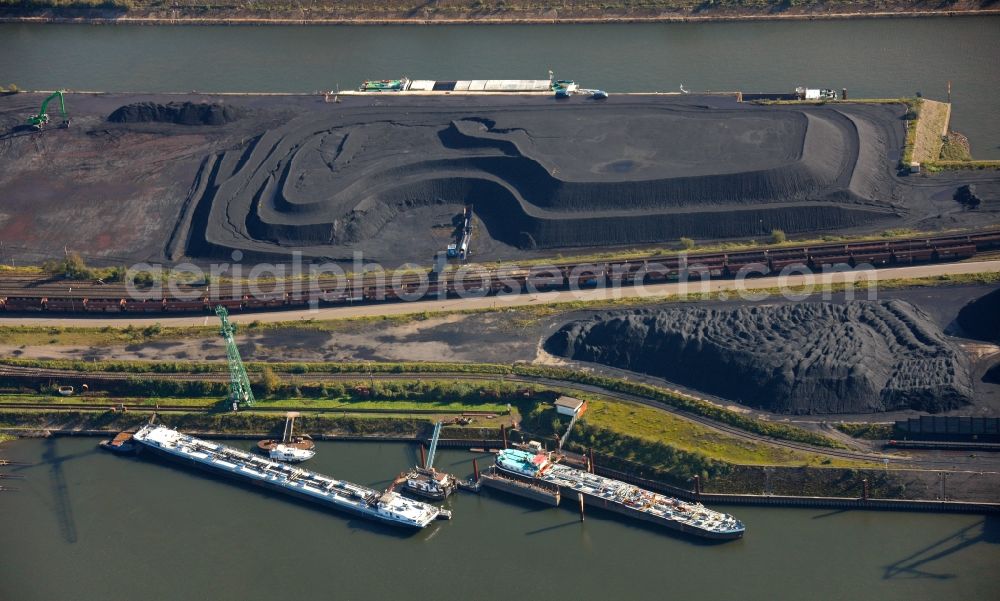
{"type": "Point", "coordinates": [475, 470]}
{"type": "Point", "coordinates": [579, 495]}
{"type": "Point", "coordinates": [423, 456]}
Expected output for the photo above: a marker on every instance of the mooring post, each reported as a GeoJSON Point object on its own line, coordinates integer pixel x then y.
{"type": "Point", "coordinates": [423, 457]}
{"type": "Point", "coordinates": [697, 485]}
{"type": "Point", "coordinates": [579, 495]}
{"type": "Point", "coordinates": [503, 435]}
{"type": "Point", "coordinates": [593, 469]}
{"type": "Point", "coordinates": [475, 470]}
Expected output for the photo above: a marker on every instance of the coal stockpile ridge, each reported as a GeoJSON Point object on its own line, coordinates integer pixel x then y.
{"type": "Point", "coordinates": [183, 113]}
{"type": "Point", "coordinates": [805, 358]}
{"type": "Point", "coordinates": [980, 319]}
{"type": "Point", "coordinates": [546, 175]}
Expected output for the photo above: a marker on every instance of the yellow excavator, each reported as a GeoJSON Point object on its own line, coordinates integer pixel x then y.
{"type": "Point", "coordinates": [40, 120]}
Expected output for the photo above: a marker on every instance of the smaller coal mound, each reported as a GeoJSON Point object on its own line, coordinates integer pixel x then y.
{"type": "Point", "coordinates": [805, 358]}
{"type": "Point", "coordinates": [967, 196]}
{"type": "Point", "coordinates": [980, 319]}
{"type": "Point", "coordinates": [183, 113]}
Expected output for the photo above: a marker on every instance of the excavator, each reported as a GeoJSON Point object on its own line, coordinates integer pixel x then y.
{"type": "Point", "coordinates": [42, 118]}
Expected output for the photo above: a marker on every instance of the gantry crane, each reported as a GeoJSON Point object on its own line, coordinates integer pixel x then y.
{"type": "Point", "coordinates": [239, 382]}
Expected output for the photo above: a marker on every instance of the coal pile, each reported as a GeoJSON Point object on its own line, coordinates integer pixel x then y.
{"type": "Point", "coordinates": [806, 358]}
{"type": "Point", "coordinates": [967, 196]}
{"type": "Point", "coordinates": [543, 175]}
{"type": "Point", "coordinates": [182, 113]}
{"type": "Point", "coordinates": [980, 319]}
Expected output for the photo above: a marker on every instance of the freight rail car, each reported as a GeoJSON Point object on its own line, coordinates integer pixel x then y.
{"type": "Point", "coordinates": [22, 296]}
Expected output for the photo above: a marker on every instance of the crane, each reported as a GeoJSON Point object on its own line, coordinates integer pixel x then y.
{"type": "Point", "coordinates": [239, 382]}
{"type": "Point", "coordinates": [434, 445]}
{"type": "Point", "coordinates": [424, 480]}
{"type": "Point", "coordinates": [42, 118]}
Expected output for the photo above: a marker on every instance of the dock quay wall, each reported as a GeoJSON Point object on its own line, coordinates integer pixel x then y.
{"type": "Point", "coordinates": [647, 483]}
{"type": "Point", "coordinates": [520, 488]}
{"type": "Point", "coordinates": [459, 443]}
{"type": "Point", "coordinates": [796, 501]}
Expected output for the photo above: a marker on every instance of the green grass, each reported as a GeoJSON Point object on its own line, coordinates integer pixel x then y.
{"type": "Point", "coordinates": [646, 423]}
{"type": "Point", "coordinates": [866, 431]}
{"type": "Point", "coordinates": [955, 148]}
{"type": "Point", "coordinates": [928, 128]}
{"type": "Point", "coordinates": [345, 404]}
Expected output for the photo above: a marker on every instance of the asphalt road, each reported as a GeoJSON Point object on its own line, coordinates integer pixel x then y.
{"type": "Point", "coordinates": [736, 287]}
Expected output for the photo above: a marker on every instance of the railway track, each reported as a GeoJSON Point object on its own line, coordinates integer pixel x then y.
{"type": "Point", "coordinates": [21, 293]}
{"type": "Point", "coordinates": [320, 377]}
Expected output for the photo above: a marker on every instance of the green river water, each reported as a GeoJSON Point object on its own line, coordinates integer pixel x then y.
{"type": "Point", "coordinates": [87, 525]}
{"type": "Point", "coordinates": [872, 58]}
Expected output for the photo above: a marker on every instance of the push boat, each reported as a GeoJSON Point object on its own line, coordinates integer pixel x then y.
{"type": "Point", "coordinates": [121, 444]}
{"type": "Point", "coordinates": [620, 497]}
{"type": "Point", "coordinates": [386, 507]}
{"type": "Point", "coordinates": [430, 484]}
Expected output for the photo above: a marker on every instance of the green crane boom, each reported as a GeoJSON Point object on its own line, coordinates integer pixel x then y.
{"type": "Point", "coordinates": [239, 382]}
{"type": "Point", "coordinates": [42, 118]}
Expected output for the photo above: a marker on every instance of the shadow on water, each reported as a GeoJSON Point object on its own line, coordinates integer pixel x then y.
{"type": "Point", "coordinates": [830, 514]}
{"type": "Point", "coordinates": [915, 564]}
{"type": "Point", "coordinates": [62, 504]}
{"type": "Point", "coordinates": [352, 520]}
{"type": "Point", "coordinates": [553, 527]}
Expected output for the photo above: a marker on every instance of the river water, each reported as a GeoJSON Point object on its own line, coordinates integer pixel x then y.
{"type": "Point", "coordinates": [89, 525]}
{"type": "Point", "coordinates": [872, 58]}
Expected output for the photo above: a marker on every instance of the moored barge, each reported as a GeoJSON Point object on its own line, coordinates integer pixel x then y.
{"type": "Point", "coordinates": [620, 497]}
{"type": "Point", "coordinates": [386, 507]}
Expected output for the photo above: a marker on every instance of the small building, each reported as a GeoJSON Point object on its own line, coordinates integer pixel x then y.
{"type": "Point", "coordinates": [567, 405]}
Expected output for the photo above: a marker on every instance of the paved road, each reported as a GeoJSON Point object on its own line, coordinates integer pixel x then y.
{"type": "Point", "coordinates": [738, 287]}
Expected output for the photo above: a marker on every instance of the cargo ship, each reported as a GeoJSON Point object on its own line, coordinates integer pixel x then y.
{"type": "Point", "coordinates": [563, 88]}
{"type": "Point", "coordinates": [386, 507]}
{"type": "Point", "coordinates": [620, 497]}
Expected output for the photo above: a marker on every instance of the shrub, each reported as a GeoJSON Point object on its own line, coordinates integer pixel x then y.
{"type": "Point", "coordinates": [778, 236]}
{"type": "Point", "coordinates": [687, 243]}
{"type": "Point", "coordinates": [268, 381]}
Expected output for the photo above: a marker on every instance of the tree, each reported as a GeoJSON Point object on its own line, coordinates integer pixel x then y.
{"type": "Point", "coordinates": [269, 381]}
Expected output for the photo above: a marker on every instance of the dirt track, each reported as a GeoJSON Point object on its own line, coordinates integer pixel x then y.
{"type": "Point", "coordinates": [530, 299]}
{"type": "Point", "coordinates": [385, 175]}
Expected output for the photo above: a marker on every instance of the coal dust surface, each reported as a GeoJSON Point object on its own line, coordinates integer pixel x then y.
{"type": "Point", "coordinates": [803, 358]}
{"type": "Point", "coordinates": [172, 177]}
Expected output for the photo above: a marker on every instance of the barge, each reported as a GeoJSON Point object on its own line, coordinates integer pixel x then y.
{"type": "Point", "coordinates": [386, 507]}
{"type": "Point", "coordinates": [620, 497]}
{"type": "Point", "coordinates": [471, 86]}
